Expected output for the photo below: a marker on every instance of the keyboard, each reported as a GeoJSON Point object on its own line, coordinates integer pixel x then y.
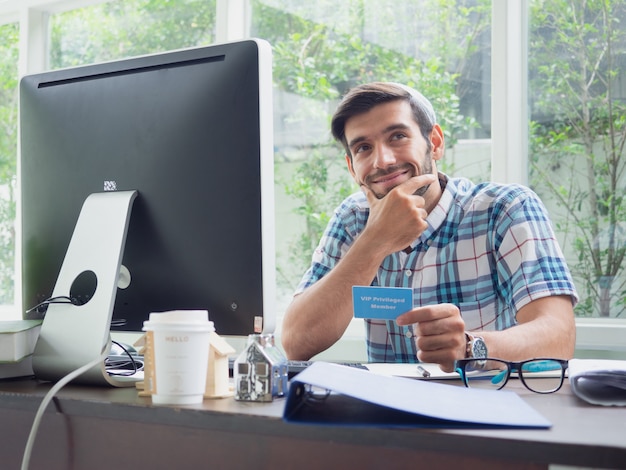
{"type": "Point", "coordinates": [295, 367]}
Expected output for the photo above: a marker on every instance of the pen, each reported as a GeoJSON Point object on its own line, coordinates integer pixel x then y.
{"type": "Point", "coordinates": [423, 371]}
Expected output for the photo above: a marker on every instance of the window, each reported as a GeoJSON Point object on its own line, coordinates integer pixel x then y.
{"type": "Point", "coordinates": [577, 97]}
{"type": "Point", "coordinates": [572, 94]}
{"type": "Point", "coordinates": [9, 35]}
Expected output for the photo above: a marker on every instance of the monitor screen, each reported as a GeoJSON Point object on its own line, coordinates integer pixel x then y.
{"type": "Point", "coordinates": [191, 132]}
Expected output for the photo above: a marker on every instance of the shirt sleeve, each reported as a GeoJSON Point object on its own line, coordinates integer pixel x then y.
{"type": "Point", "coordinates": [530, 263]}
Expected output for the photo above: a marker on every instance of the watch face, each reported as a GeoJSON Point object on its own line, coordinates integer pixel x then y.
{"type": "Point", "coordinates": [479, 348]}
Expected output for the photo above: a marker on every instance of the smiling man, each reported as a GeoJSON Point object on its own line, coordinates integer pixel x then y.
{"type": "Point", "coordinates": [486, 272]}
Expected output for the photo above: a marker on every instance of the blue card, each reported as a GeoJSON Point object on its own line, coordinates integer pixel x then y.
{"type": "Point", "coordinates": [384, 303]}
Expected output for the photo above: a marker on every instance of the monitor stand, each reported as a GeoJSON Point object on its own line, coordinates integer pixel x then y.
{"type": "Point", "coordinates": [74, 335]}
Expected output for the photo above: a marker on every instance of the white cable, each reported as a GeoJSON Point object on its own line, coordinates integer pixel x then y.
{"type": "Point", "coordinates": [46, 400]}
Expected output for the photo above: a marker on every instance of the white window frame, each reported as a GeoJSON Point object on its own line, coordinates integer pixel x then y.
{"type": "Point", "coordinates": [509, 117]}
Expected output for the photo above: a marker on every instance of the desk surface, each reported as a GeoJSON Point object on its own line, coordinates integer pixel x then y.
{"type": "Point", "coordinates": [104, 427]}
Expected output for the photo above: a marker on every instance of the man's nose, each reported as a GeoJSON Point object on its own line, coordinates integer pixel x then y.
{"type": "Point", "coordinates": [383, 156]}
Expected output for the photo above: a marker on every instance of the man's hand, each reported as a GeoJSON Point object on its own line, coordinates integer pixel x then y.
{"type": "Point", "coordinates": [397, 219]}
{"type": "Point", "coordinates": [439, 333]}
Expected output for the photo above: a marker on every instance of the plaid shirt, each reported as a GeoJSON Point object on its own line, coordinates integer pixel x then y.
{"type": "Point", "coordinates": [489, 249]}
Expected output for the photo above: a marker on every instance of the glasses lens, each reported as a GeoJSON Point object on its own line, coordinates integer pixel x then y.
{"type": "Point", "coordinates": [492, 375]}
{"type": "Point", "coordinates": [542, 375]}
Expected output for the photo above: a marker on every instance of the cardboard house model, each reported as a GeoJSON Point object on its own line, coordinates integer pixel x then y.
{"type": "Point", "coordinates": [217, 383]}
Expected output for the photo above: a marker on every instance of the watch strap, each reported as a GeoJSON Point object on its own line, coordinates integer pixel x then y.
{"type": "Point", "coordinates": [471, 340]}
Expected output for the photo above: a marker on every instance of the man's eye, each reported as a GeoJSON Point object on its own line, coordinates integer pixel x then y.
{"type": "Point", "coordinates": [361, 148]}
{"type": "Point", "coordinates": [398, 136]}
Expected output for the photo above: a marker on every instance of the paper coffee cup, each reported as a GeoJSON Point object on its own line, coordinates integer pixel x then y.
{"type": "Point", "coordinates": [181, 353]}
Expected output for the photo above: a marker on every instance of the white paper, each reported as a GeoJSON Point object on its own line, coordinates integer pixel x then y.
{"type": "Point", "coordinates": [599, 381]}
{"type": "Point", "coordinates": [392, 369]}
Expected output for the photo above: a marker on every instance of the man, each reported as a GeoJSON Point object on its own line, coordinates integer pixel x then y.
{"type": "Point", "coordinates": [487, 274]}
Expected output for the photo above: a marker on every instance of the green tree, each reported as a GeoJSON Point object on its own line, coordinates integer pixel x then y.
{"type": "Point", "coordinates": [119, 29]}
{"type": "Point", "coordinates": [579, 135]}
{"type": "Point", "coordinates": [8, 144]}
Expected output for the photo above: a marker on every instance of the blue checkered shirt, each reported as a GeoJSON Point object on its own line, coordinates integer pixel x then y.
{"type": "Point", "coordinates": [489, 249]}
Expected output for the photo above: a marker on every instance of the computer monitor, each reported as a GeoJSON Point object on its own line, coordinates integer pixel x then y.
{"type": "Point", "coordinates": [189, 133]}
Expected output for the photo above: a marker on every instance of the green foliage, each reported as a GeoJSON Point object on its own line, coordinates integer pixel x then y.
{"type": "Point", "coordinates": [579, 136]}
{"type": "Point", "coordinates": [315, 61]}
{"type": "Point", "coordinates": [8, 144]}
{"type": "Point", "coordinates": [319, 193]}
{"type": "Point", "coordinates": [118, 29]}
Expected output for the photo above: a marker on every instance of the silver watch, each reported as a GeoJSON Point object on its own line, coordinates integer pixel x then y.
{"type": "Point", "coordinates": [476, 348]}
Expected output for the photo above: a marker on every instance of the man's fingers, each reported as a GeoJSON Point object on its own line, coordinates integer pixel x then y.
{"type": "Point", "coordinates": [409, 186]}
{"type": "Point", "coordinates": [413, 184]}
{"type": "Point", "coordinates": [427, 313]}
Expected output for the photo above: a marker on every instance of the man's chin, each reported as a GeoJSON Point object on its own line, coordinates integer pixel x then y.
{"type": "Point", "coordinates": [378, 194]}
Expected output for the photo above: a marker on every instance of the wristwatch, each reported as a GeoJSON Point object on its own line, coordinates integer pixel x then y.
{"type": "Point", "coordinates": [475, 348]}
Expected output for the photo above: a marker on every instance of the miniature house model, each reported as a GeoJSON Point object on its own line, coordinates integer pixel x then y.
{"type": "Point", "coordinates": [260, 371]}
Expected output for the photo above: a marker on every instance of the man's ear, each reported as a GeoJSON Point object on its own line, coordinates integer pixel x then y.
{"type": "Point", "coordinates": [350, 167]}
{"type": "Point", "coordinates": [437, 142]}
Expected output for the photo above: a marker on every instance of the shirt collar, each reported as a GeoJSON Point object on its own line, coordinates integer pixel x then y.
{"type": "Point", "coordinates": [438, 215]}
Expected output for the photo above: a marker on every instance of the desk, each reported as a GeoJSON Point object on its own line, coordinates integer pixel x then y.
{"type": "Point", "coordinates": [107, 428]}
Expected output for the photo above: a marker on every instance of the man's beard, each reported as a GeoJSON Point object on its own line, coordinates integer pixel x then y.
{"type": "Point", "coordinates": [428, 168]}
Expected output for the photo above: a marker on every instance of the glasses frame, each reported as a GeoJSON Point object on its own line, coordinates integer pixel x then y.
{"type": "Point", "coordinates": [511, 366]}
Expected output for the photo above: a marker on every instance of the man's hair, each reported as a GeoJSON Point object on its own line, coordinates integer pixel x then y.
{"type": "Point", "coordinates": [363, 98]}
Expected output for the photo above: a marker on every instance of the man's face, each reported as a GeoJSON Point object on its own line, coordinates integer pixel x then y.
{"type": "Point", "coordinates": [388, 148]}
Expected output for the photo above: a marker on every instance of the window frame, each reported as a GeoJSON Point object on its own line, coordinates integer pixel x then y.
{"type": "Point", "coordinates": [509, 115]}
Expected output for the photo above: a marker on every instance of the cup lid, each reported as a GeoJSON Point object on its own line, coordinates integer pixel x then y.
{"type": "Point", "coordinates": [179, 318]}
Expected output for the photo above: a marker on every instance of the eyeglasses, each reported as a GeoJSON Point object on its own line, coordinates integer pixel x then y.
{"type": "Point", "coordinates": [538, 375]}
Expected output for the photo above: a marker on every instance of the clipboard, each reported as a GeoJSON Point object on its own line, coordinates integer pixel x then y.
{"type": "Point", "coordinates": [333, 394]}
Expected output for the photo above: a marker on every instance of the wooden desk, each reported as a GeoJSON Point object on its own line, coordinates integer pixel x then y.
{"type": "Point", "coordinates": [107, 428]}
